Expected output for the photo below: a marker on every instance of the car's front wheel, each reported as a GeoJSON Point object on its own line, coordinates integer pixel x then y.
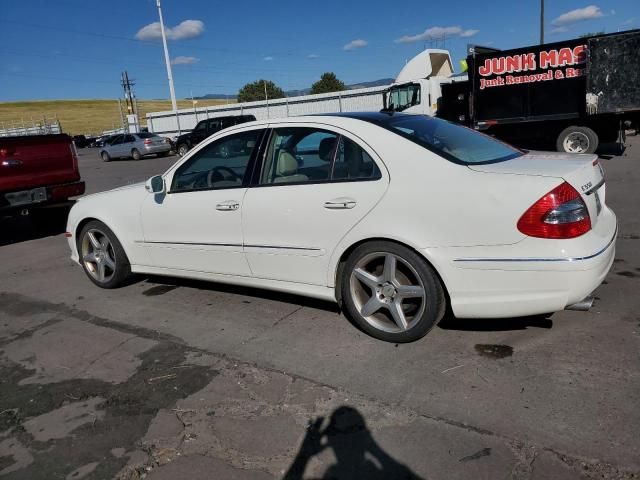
{"type": "Point", "coordinates": [102, 256]}
{"type": "Point", "coordinates": [105, 157]}
{"type": "Point", "coordinates": [391, 292]}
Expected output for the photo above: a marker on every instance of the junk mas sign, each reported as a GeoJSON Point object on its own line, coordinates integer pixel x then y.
{"type": "Point", "coordinates": [556, 64]}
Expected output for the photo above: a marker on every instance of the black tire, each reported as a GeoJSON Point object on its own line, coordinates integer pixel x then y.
{"type": "Point", "coordinates": [576, 139]}
{"type": "Point", "coordinates": [105, 157]}
{"type": "Point", "coordinates": [135, 154]}
{"type": "Point", "coordinates": [121, 272]}
{"type": "Point", "coordinates": [182, 149]}
{"type": "Point", "coordinates": [412, 271]}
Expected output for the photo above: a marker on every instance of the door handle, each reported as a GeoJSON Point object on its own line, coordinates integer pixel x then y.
{"type": "Point", "coordinates": [11, 162]}
{"type": "Point", "coordinates": [227, 206]}
{"type": "Point", "coordinates": [341, 203]}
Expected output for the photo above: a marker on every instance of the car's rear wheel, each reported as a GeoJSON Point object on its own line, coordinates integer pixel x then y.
{"type": "Point", "coordinates": [105, 157]}
{"type": "Point", "coordinates": [182, 149]}
{"type": "Point", "coordinates": [391, 293]}
{"type": "Point", "coordinates": [135, 154]}
{"type": "Point", "coordinates": [102, 256]}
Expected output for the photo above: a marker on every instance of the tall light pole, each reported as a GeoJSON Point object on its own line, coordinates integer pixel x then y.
{"type": "Point", "coordinates": [167, 60]}
{"type": "Point", "coordinates": [541, 21]}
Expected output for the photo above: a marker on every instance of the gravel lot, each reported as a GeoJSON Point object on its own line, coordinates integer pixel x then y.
{"type": "Point", "coordinates": [169, 379]}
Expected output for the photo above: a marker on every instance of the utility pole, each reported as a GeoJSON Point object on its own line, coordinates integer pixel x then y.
{"type": "Point", "coordinates": [128, 93]}
{"type": "Point", "coordinates": [167, 60]}
{"type": "Point", "coordinates": [266, 97]}
{"type": "Point", "coordinates": [541, 22]}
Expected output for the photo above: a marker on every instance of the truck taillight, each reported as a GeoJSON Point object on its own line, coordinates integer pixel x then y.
{"type": "Point", "coordinates": [561, 213]}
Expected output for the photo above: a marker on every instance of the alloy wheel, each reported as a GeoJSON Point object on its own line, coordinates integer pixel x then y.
{"type": "Point", "coordinates": [98, 256]}
{"type": "Point", "coordinates": [387, 292]}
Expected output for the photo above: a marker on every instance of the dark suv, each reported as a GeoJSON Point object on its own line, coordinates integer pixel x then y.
{"type": "Point", "coordinates": [205, 128]}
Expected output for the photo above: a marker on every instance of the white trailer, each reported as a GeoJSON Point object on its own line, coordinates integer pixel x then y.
{"type": "Point", "coordinates": [361, 99]}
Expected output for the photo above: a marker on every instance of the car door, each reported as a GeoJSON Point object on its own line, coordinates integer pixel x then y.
{"type": "Point", "coordinates": [115, 147]}
{"type": "Point", "coordinates": [200, 132]}
{"type": "Point", "coordinates": [196, 225]}
{"type": "Point", "coordinates": [127, 145]}
{"type": "Point", "coordinates": [315, 184]}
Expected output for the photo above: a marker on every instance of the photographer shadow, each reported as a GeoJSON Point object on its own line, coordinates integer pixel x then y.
{"type": "Point", "coordinates": [357, 453]}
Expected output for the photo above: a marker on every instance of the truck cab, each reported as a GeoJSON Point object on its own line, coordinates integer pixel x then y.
{"type": "Point", "coordinates": [419, 84]}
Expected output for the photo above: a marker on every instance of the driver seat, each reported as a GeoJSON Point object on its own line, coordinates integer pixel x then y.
{"type": "Point", "coordinates": [287, 169]}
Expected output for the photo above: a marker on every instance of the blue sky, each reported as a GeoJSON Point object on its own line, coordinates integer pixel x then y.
{"type": "Point", "coordinates": [77, 48]}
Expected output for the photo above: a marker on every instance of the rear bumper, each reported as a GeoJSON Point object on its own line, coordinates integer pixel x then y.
{"type": "Point", "coordinates": [40, 196]}
{"type": "Point", "coordinates": [148, 150]}
{"type": "Point", "coordinates": [513, 287]}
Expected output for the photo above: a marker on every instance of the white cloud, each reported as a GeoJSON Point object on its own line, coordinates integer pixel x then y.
{"type": "Point", "coordinates": [559, 30]}
{"type": "Point", "coordinates": [181, 60]}
{"type": "Point", "coordinates": [438, 33]}
{"type": "Point", "coordinates": [469, 33]}
{"type": "Point", "coordinates": [313, 55]}
{"type": "Point", "coordinates": [629, 21]}
{"type": "Point", "coordinates": [267, 59]}
{"type": "Point", "coordinates": [578, 15]}
{"type": "Point", "coordinates": [352, 45]}
{"type": "Point", "coordinates": [182, 31]}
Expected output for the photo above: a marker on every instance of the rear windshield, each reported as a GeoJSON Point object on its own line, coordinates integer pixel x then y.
{"type": "Point", "coordinates": [146, 135]}
{"type": "Point", "coordinates": [454, 142]}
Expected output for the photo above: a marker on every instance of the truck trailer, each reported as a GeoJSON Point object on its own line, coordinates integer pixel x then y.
{"type": "Point", "coordinates": [575, 93]}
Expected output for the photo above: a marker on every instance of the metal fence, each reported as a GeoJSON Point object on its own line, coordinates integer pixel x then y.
{"type": "Point", "coordinates": [46, 127]}
{"type": "Point", "coordinates": [362, 99]}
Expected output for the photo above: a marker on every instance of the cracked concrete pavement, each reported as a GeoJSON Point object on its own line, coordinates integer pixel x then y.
{"type": "Point", "coordinates": [172, 379]}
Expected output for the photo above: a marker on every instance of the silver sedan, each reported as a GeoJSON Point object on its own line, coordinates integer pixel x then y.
{"type": "Point", "coordinates": [136, 146]}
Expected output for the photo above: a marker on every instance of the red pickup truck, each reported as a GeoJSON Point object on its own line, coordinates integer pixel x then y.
{"type": "Point", "coordinates": [37, 171]}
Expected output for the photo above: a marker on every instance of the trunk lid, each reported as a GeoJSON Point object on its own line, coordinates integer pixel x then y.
{"type": "Point", "coordinates": [36, 161]}
{"type": "Point", "coordinates": [582, 172]}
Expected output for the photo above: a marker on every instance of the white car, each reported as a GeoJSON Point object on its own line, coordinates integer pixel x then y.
{"type": "Point", "coordinates": [394, 216]}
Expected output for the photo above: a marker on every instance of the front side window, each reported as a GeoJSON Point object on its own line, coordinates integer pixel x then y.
{"type": "Point", "coordinates": [404, 96]}
{"type": "Point", "coordinates": [453, 142]}
{"type": "Point", "coordinates": [298, 155]}
{"type": "Point", "coordinates": [221, 164]}
{"type": "Point", "coordinates": [201, 127]}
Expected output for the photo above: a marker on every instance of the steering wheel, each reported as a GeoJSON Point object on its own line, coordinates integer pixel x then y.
{"type": "Point", "coordinates": [228, 174]}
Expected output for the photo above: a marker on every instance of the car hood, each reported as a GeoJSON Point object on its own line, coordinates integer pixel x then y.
{"type": "Point", "coordinates": [133, 186]}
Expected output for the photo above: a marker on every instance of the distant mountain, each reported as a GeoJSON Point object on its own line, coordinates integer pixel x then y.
{"type": "Point", "coordinates": [295, 93]}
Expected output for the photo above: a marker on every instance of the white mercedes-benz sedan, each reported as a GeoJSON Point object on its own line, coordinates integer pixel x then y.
{"type": "Point", "coordinates": [393, 216]}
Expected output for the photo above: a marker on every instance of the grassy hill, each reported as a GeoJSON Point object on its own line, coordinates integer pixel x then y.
{"type": "Point", "coordinates": [82, 116]}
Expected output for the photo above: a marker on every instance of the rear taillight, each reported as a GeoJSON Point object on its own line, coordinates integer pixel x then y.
{"type": "Point", "coordinates": [561, 213]}
{"type": "Point", "coordinates": [148, 141]}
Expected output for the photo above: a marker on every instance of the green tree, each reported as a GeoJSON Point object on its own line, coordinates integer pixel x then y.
{"type": "Point", "coordinates": [254, 91]}
{"type": "Point", "coordinates": [328, 83]}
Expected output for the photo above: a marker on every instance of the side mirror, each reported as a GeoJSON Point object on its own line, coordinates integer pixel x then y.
{"type": "Point", "coordinates": [155, 184]}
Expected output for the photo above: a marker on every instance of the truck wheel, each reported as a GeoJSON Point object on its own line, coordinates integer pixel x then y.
{"type": "Point", "coordinates": [576, 139]}
{"type": "Point", "coordinates": [182, 149]}
{"type": "Point", "coordinates": [135, 154]}
{"type": "Point", "coordinates": [105, 157]}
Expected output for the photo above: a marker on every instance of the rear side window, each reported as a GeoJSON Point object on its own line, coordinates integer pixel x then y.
{"type": "Point", "coordinates": [353, 163]}
{"type": "Point", "coordinates": [453, 142]}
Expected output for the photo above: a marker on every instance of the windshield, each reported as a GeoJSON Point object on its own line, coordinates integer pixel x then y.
{"type": "Point", "coordinates": [453, 142]}
{"type": "Point", "coordinates": [403, 97]}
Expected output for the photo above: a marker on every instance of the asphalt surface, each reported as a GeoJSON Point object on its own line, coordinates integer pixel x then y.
{"type": "Point", "coordinates": [169, 379]}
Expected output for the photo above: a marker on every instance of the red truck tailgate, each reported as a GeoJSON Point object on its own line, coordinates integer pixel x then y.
{"type": "Point", "coordinates": [28, 162]}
